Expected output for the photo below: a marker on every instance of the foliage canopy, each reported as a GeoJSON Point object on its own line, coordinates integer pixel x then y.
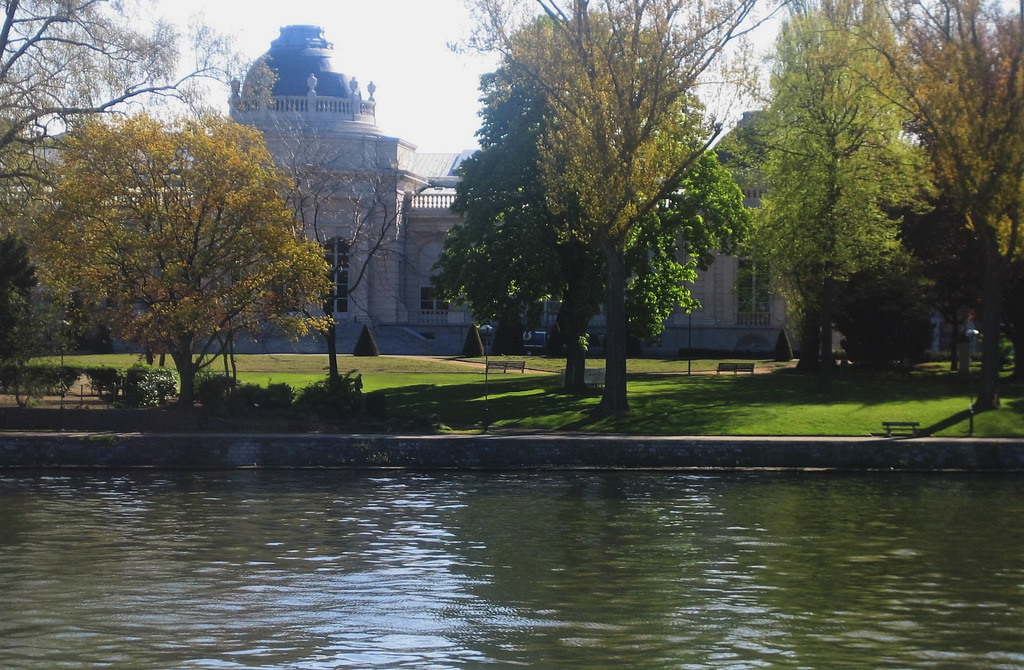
{"type": "Point", "coordinates": [182, 230]}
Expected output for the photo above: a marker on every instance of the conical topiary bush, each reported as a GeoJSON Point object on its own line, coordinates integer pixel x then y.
{"type": "Point", "coordinates": [474, 346]}
{"type": "Point", "coordinates": [783, 348]}
{"type": "Point", "coordinates": [365, 346]}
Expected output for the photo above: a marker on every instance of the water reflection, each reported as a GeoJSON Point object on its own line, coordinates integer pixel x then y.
{"type": "Point", "coordinates": [336, 569]}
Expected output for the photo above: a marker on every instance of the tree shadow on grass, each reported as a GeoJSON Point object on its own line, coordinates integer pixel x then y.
{"type": "Point", "coordinates": [948, 422]}
{"type": "Point", "coordinates": [507, 402]}
{"type": "Point", "coordinates": [679, 404]}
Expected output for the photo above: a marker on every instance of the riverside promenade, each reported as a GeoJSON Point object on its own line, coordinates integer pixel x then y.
{"type": "Point", "coordinates": [503, 451]}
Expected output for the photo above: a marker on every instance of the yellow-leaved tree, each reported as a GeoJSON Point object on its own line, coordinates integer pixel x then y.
{"type": "Point", "coordinates": [180, 228]}
{"type": "Point", "coordinates": [959, 66]}
{"type": "Point", "coordinates": [621, 78]}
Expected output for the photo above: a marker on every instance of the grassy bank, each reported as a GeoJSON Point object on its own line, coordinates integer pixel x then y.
{"type": "Point", "coordinates": [665, 399]}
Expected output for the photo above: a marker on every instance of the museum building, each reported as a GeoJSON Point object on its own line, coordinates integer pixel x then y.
{"type": "Point", "coordinates": [381, 210]}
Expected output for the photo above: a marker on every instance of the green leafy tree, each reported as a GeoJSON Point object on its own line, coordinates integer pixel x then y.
{"type": "Point", "coordinates": [513, 251]}
{"type": "Point", "coordinates": [180, 228]}
{"type": "Point", "coordinates": [18, 337]}
{"type": "Point", "coordinates": [1013, 315]}
{"type": "Point", "coordinates": [884, 313]}
{"type": "Point", "coordinates": [626, 126]}
{"type": "Point", "coordinates": [837, 167]}
{"type": "Point", "coordinates": [959, 70]}
{"type": "Point", "coordinates": [950, 256]}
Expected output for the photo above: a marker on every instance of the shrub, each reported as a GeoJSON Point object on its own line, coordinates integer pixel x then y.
{"type": "Point", "coordinates": [248, 395]}
{"type": "Point", "coordinates": [783, 347]}
{"type": "Point", "coordinates": [213, 391]}
{"type": "Point", "coordinates": [473, 347]}
{"type": "Point", "coordinates": [28, 382]}
{"type": "Point", "coordinates": [376, 403]}
{"type": "Point", "coordinates": [337, 397]}
{"type": "Point", "coordinates": [146, 386]}
{"type": "Point", "coordinates": [104, 380]}
{"type": "Point", "coordinates": [277, 396]}
{"type": "Point", "coordinates": [273, 397]}
{"type": "Point", "coordinates": [365, 346]}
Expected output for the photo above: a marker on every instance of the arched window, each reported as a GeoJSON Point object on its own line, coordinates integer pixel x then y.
{"type": "Point", "coordinates": [336, 253]}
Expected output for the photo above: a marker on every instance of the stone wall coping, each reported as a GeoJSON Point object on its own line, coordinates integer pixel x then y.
{"type": "Point", "coordinates": [504, 451]}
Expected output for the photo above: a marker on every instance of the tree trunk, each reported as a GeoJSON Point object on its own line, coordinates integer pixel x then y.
{"type": "Point", "coordinates": [826, 357]}
{"type": "Point", "coordinates": [614, 400]}
{"type": "Point", "coordinates": [573, 318]}
{"type": "Point", "coordinates": [954, 344]}
{"type": "Point", "coordinates": [573, 329]}
{"type": "Point", "coordinates": [810, 342]}
{"type": "Point", "coordinates": [186, 377]}
{"type": "Point", "coordinates": [1017, 339]}
{"type": "Point", "coordinates": [991, 320]}
{"type": "Point", "coordinates": [330, 334]}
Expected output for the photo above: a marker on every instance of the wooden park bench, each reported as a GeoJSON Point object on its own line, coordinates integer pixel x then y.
{"type": "Point", "coordinates": [900, 428]}
{"type": "Point", "coordinates": [505, 366]}
{"type": "Point", "coordinates": [735, 368]}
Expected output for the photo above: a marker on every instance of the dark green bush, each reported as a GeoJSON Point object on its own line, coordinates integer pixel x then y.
{"type": "Point", "coordinates": [884, 314]}
{"type": "Point", "coordinates": [783, 347]}
{"type": "Point", "coordinates": [277, 396]}
{"type": "Point", "coordinates": [376, 403]}
{"type": "Point", "coordinates": [273, 397]}
{"type": "Point", "coordinates": [104, 380]}
{"type": "Point", "coordinates": [365, 346]}
{"type": "Point", "coordinates": [28, 382]}
{"type": "Point", "coordinates": [213, 391]}
{"type": "Point", "coordinates": [338, 397]}
{"type": "Point", "coordinates": [146, 386]}
{"type": "Point", "coordinates": [247, 395]}
{"type": "Point", "coordinates": [474, 346]}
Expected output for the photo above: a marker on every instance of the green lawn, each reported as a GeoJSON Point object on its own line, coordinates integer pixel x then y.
{"type": "Point", "coordinates": [664, 399]}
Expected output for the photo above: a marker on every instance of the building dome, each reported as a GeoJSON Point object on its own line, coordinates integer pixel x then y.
{"type": "Point", "coordinates": [301, 59]}
{"type": "Point", "coordinates": [307, 90]}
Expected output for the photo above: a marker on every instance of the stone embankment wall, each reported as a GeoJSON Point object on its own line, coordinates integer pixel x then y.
{"type": "Point", "coordinates": [502, 452]}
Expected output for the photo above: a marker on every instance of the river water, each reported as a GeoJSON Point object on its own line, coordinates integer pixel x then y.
{"type": "Point", "coordinates": [304, 569]}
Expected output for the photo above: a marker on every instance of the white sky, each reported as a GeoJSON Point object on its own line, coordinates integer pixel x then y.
{"type": "Point", "coordinates": [426, 94]}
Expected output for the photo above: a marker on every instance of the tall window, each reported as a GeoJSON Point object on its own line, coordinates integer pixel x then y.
{"type": "Point", "coordinates": [336, 253]}
{"type": "Point", "coordinates": [429, 302]}
{"type": "Point", "coordinates": [753, 292]}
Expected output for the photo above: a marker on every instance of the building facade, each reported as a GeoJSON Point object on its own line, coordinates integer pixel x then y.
{"type": "Point", "coordinates": [381, 211]}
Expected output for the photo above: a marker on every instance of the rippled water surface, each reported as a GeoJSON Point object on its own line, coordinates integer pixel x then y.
{"type": "Point", "coordinates": [655, 570]}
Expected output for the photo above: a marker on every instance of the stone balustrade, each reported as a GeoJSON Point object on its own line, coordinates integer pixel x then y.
{"type": "Point", "coordinates": [349, 108]}
{"type": "Point", "coordinates": [433, 200]}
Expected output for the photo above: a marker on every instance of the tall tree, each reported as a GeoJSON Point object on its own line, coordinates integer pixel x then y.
{"type": "Point", "coordinates": [950, 256]}
{"type": "Point", "coordinates": [620, 77]}
{"type": "Point", "coordinates": [513, 250]}
{"type": "Point", "coordinates": [63, 60]}
{"type": "Point", "coordinates": [182, 230]}
{"type": "Point", "coordinates": [17, 280]}
{"type": "Point", "coordinates": [959, 65]}
{"type": "Point", "coordinates": [349, 199]}
{"type": "Point", "coordinates": [837, 167]}
{"type": "Point", "coordinates": [1013, 315]}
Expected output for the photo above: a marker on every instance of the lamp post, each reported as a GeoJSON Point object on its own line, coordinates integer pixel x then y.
{"type": "Point", "coordinates": [689, 342]}
{"type": "Point", "coordinates": [485, 333]}
{"type": "Point", "coordinates": [61, 335]}
{"type": "Point", "coordinates": [972, 337]}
